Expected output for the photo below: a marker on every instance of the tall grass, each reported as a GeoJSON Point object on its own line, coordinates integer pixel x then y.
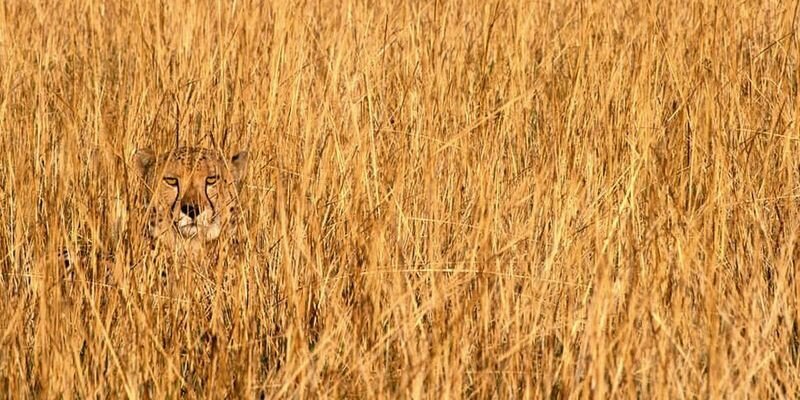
{"type": "Point", "coordinates": [447, 198]}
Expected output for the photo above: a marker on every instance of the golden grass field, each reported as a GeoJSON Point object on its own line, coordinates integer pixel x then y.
{"type": "Point", "coordinates": [457, 199]}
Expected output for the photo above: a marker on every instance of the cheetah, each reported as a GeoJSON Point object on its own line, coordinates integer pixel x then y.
{"type": "Point", "coordinates": [193, 202]}
{"type": "Point", "coordinates": [194, 194]}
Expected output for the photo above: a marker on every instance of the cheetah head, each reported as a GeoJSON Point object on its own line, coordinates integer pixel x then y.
{"type": "Point", "coordinates": [194, 193]}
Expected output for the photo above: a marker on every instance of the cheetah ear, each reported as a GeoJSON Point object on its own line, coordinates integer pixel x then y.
{"type": "Point", "coordinates": [239, 165]}
{"type": "Point", "coordinates": [144, 159]}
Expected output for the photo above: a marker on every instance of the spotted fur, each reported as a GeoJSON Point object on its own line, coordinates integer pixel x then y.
{"type": "Point", "coordinates": [194, 195]}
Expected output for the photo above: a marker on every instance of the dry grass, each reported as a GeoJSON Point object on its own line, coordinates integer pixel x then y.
{"type": "Point", "coordinates": [467, 199]}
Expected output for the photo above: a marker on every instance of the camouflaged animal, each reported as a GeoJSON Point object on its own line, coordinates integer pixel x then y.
{"type": "Point", "coordinates": [194, 194]}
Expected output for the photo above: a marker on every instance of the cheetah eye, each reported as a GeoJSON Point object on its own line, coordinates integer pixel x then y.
{"type": "Point", "coordinates": [172, 181]}
{"type": "Point", "coordinates": [212, 180]}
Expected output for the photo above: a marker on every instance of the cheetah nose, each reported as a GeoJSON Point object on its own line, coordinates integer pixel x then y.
{"type": "Point", "coordinates": [191, 210]}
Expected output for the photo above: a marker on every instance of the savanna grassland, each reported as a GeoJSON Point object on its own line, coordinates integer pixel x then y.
{"type": "Point", "coordinates": [463, 199]}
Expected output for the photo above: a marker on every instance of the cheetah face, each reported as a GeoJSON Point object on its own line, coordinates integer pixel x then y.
{"type": "Point", "coordinates": [194, 193]}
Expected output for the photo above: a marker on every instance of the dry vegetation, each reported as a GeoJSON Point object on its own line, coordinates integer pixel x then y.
{"type": "Point", "coordinates": [468, 199]}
